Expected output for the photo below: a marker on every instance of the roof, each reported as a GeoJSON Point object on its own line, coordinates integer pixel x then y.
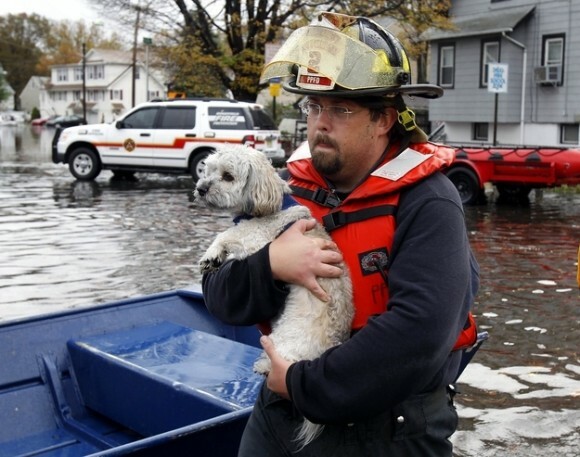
{"type": "Point", "coordinates": [488, 23]}
{"type": "Point", "coordinates": [108, 56]}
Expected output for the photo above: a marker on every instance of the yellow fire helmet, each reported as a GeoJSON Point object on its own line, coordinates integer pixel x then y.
{"type": "Point", "coordinates": [345, 56]}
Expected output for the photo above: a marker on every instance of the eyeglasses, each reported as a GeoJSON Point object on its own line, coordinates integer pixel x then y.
{"type": "Point", "coordinates": [336, 113]}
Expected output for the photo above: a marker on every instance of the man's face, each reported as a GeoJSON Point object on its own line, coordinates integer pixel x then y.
{"type": "Point", "coordinates": [344, 141]}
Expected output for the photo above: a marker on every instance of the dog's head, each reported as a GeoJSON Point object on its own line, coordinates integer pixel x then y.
{"type": "Point", "coordinates": [242, 180]}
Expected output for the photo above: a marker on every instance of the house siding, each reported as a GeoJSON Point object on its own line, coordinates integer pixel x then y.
{"type": "Point", "coordinates": [115, 75]}
{"type": "Point", "coordinates": [545, 107]}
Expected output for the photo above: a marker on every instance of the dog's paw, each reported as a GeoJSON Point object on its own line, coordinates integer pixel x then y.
{"type": "Point", "coordinates": [207, 265]}
{"type": "Point", "coordinates": [212, 259]}
{"type": "Point", "coordinates": [262, 365]}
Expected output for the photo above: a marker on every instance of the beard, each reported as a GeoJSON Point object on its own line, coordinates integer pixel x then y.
{"type": "Point", "coordinates": [326, 163]}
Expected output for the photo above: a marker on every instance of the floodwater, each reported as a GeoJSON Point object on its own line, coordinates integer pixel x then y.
{"type": "Point", "coordinates": [66, 244]}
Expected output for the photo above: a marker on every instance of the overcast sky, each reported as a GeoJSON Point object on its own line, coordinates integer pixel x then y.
{"type": "Point", "coordinates": [52, 9]}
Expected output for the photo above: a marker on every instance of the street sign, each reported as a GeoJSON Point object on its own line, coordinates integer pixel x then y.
{"type": "Point", "coordinates": [498, 78]}
{"type": "Point", "coordinates": [275, 89]}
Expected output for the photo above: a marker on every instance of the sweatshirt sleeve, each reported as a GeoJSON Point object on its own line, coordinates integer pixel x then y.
{"type": "Point", "coordinates": [406, 350]}
{"type": "Point", "coordinates": [243, 292]}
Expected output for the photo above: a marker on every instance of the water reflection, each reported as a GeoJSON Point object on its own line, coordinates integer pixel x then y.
{"type": "Point", "coordinates": [25, 143]}
{"type": "Point", "coordinates": [520, 397]}
{"type": "Point", "coordinates": [66, 244]}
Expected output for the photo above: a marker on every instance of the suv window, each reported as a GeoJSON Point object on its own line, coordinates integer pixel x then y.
{"type": "Point", "coordinates": [178, 117]}
{"type": "Point", "coordinates": [261, 120]}
{"type": "Point", "coordinates": [227, 118]}
{"type": "Point", "coordinates": [142, 119]}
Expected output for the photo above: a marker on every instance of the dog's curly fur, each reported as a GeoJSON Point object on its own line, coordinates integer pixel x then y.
{"type": "Point", "coordinates": [242, 180]}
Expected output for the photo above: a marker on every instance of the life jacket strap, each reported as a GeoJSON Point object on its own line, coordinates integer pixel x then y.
{"type": "Point", "coordinates": [338, 219]}
{"type": "Point", "coordinates": [321, 196]}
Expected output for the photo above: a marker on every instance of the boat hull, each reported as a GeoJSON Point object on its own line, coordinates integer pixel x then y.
{"type": "Point", "coordinates": [59, 399]}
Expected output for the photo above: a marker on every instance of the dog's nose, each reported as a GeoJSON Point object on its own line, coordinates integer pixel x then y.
{"type": "Point", "coordinates": [201, 190]}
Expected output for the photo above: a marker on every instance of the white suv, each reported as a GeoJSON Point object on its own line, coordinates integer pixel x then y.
{"type": "Point", "coordinates": [166, 136]}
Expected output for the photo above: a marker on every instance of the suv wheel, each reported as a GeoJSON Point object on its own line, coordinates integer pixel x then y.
{"type": "Point", "coordinates": [84, 164]}
{"type": "Point", "coordinates": [197, 166]}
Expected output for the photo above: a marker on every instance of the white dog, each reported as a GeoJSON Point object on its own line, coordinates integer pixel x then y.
{"type": "Point", "coordinates": [242, 180]}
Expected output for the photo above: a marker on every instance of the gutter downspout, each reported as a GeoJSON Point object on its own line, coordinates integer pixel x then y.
{"type": "Point", "coordinates": [524, 65]}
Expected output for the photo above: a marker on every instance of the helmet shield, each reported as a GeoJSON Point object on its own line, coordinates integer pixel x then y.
{"type": "Point", "coordinates": [346, 56]}
{"type": "Point", "coordinates": [327, 57]}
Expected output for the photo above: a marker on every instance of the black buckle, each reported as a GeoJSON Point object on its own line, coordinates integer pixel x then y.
{"type": "Point", "coordinates": [325, 198]}
{"type": "Point", "coordinates": [334, 220]}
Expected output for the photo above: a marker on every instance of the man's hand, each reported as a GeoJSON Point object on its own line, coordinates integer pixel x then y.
{"type": "Point", "coordinates": [276, 380]}
{"type": "Point", "coordinates": [299, 259]}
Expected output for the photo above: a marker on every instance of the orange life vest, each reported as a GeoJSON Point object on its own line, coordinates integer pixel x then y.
{"type": "Point", "coordinates": [353, 222]}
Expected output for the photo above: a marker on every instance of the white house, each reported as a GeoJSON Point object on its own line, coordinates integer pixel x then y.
{"type": "Point", "coordinates": [108, 86]}
{"type": "Point", "coordinates": [30, 95]}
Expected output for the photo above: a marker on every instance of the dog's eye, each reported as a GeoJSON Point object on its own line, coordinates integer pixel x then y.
{"type": "Point", "coordinates": [227, 177]}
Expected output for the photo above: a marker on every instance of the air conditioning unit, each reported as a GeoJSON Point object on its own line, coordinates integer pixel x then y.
{"type": "Point", "coordinates": [548, 74]}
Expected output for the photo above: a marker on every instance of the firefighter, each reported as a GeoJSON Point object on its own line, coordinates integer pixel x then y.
{"type": "Point", "coordinates": [372, 178]}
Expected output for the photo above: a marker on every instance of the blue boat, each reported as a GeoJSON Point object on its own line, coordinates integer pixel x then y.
{"type": "Point", "coordinates": [150, 376]}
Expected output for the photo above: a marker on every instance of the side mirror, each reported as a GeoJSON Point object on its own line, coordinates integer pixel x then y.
{"type": "Point", "coordinates": [119, 124]}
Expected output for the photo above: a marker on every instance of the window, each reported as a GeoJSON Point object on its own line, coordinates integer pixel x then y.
{"type": "Point", "coordinates": [480, 131]}
{"type": "Point", "coordinates": [77, 95]}
{"type": "Point", "coordinates": [261, 120]}
{"type": "Point", "coordinates": [178, 118]}
{"type": "Point", "coordinates": [62, 74]}
{"type": "Point", "coordinates": [116, 94]}
{"type": "Point", "coordinates": [569, 133]}
{"type": "Point", "coordinates": [95, 95]}
{"type": "Point", "coordinates": [142, 119]}
{"type": "Point", "coordinates": [489, 55]}
{"type": "Point", "coordinates": [95, 72]}
{"type": "Point", "coordinates": [57, 96]}
{"type": "Point", "coordinates": [227, 118]}
{"type": "Point", "coordinates": [78, 73]}
{"type": "Point", "coordinates": [553, 55]}
{"type": "Point", "coordinates": [446, 65]}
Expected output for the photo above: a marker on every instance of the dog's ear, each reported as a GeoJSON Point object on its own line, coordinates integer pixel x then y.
{"type": "Point", "coordinates": [264, 190]}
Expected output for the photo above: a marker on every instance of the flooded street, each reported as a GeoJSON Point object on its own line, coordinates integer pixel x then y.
{"type": "Point", "coordinates": [66, 244]}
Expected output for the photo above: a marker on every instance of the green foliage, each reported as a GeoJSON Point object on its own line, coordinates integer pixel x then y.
{"type": "Point", "coordinates": [21, 46]}
{"type": "Point", "coordinates": [3, 92]}
{"type": "Point", "coordinates": [35, 113]}
{"type": "Point", "coordinates": [195, 73]}
{"type": "Point", "coordinates": [247, 66]}
{"type": "Point", "coordinates": [30, 44]}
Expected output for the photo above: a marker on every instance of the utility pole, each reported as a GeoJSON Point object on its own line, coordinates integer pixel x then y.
{"type": "Point", "coordinates": [84, 83]}
{"type": "Point", "coordinates": [147, 42]}
{"type": "Point", "coordinates": [134, 63]}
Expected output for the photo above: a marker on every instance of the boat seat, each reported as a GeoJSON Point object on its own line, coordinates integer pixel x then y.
{"type": "Point", "coordinates": [157, 378]}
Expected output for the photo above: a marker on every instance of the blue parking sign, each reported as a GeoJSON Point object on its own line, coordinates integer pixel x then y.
{"type": "Point", "coordinates": [497, 80]}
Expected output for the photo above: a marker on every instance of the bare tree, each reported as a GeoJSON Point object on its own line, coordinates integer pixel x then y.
{"type": "Point", "coordinates": [226, 39]}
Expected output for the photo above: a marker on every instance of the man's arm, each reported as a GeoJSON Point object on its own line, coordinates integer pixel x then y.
{"type": "Point", "coordinates": [252, 290]}
{"type": "Point", "coordinates": [406, 350]}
